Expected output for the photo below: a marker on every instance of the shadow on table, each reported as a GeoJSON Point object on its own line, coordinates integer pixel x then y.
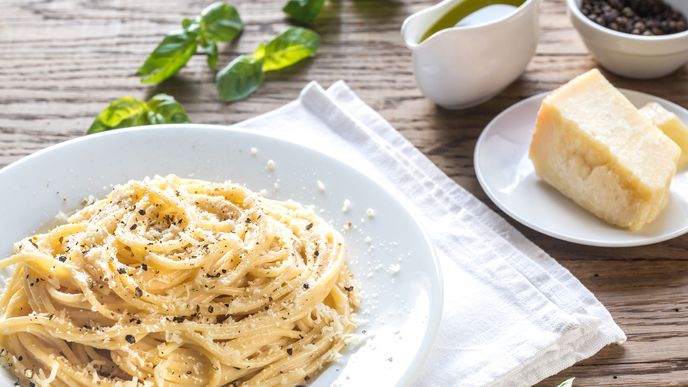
{"type": "Point", "coordinates": [457, 131]}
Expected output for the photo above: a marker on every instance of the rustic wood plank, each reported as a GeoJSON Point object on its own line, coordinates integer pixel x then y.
{"type": "Point", "coordinates": [63, 60]}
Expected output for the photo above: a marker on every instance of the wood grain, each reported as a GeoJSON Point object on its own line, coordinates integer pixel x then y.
{"type": "Point", "coordinates": [62, 61]}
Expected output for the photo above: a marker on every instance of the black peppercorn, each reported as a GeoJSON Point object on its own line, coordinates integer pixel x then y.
{"type": "Point", "coordinates": [646, 17]}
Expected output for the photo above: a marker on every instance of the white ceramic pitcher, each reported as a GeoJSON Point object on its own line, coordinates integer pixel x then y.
{"type": "Point", "coordinates": [463, 66]}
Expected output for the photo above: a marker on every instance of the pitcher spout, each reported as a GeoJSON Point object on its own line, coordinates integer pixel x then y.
{"type": "Point", "coordinates": [415, 26]}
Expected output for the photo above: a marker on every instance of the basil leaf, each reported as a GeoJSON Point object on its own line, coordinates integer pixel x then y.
{"type": "Point", "coordinates": [189, 24]}
{"type": "Point", "coordinates": [169, 56]}
{"type": "Point", "coordinates": [124, 112]}
{"type": "Point", "coordinates": [288, 48]}
{"type": "Point", "coordinates": [240, 78]}
{"type": "Point", "coordinates": [259, 53]}
{"type": "Point", "coordinates": [164, 109]}
{"type": "Point", "coordinates": [567, 383]}
{"type": "Point", "coordinates": [303, 10]}
{"type": "Point", "coordinates": [220, 22]}
{"type": "Point", "coordinates": [129, 111]}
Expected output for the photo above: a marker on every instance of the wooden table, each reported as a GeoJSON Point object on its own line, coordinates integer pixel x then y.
{"type": "Point", "coordinates": [62, 61]}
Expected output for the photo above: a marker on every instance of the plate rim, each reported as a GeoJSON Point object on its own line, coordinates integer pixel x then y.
{"type": "Point", "coordinates": [585, 242]}
{"type": "Point", "coordinates": [436, 299]}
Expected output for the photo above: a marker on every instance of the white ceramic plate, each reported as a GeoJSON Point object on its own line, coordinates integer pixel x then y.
{"type": "Point", "coordinates": [506, 174]}
{"type": "Point", "coordinates": [401, 309]}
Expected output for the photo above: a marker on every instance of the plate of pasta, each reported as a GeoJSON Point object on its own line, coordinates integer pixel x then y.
{"type": "Point", "coordinates": [215, 257]}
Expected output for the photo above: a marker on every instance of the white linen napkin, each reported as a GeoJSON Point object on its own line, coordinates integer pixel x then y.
{"type": "Point", "coordinates": [512, 315]}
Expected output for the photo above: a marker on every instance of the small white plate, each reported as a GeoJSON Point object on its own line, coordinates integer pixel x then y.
{"type": "Point", "coordinates": [397, 268]}
{"type": "Point", "coordinates": [507, 175]}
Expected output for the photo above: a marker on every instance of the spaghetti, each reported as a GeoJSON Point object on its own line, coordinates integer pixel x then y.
{"type": "Point", "coordinates": [178, 282]}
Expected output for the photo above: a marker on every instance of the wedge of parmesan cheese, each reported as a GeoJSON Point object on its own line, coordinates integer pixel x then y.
{"type": "Point", "coordinates": [593, 145]}
{"type": "Point", "coordinates": [671, 125]}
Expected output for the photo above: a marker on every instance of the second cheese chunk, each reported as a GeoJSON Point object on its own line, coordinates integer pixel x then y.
{"type": "Point", "coordinates": [593, 145]}
{"type": "Point", "coordinates": [671, 125]}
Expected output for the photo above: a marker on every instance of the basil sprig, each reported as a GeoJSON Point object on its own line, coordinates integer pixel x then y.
{"type": "Point", "coordinates": [304, 11]}
{"type": "Point", "coordinates": [219, 22]}
{"type": "Point", "coordinates": [245, 74]}
{"type": "Point", "coordinates": [129, 111]}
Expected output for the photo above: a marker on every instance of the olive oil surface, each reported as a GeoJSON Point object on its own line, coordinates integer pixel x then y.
{"type": "Point", "coordinates": [463, 9]}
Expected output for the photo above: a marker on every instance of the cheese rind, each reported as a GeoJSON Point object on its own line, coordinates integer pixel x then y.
{"type": "Point", "coordinates": [593, 145]}
{"type": "Point", "coordinates": [671, 125]}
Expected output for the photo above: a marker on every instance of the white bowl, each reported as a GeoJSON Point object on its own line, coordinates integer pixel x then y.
{"type": "Point", "coordinates": [628, 55]}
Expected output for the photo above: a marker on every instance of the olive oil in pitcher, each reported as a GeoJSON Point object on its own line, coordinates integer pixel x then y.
{"type": "Point", "coordinates": [472, 12]}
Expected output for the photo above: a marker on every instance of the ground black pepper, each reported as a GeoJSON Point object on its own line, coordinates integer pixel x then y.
{"type": "Point", "coordinates": [638, 17]}
{"type": "Point", "coordinates": [130, 339]}
{"type": "Point", "coordinates": [289, 351]}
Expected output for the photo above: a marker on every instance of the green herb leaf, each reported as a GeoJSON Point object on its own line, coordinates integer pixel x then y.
{"type": "Point", "coordinates": [567, 383]}
{"type": "Point", "coordinates": [220, 22]}
{"type": "Point", "coordinates": [303, 10]}
{"type": "Point", "coordinates": [124, 112]}
{"type": "Point", "coordinates": [129, 111]}
{"type": "Point", "coordinates": [169, 56]}
{"type": "Point", "coordinates": [164, 109]}
{"type": "Point", "coordinates": [240, 78]}
{"type": "Point", "coordinates": [190, 24]}
{"type": "Point", "coordinates": [288, 48]}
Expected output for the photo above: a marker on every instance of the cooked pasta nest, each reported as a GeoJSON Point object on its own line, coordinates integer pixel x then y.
{"type": "Point", "coordinates": [178, 282]}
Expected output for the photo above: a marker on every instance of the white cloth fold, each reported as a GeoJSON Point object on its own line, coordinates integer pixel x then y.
{"type": "Point", "coordinates": [512, 315]}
